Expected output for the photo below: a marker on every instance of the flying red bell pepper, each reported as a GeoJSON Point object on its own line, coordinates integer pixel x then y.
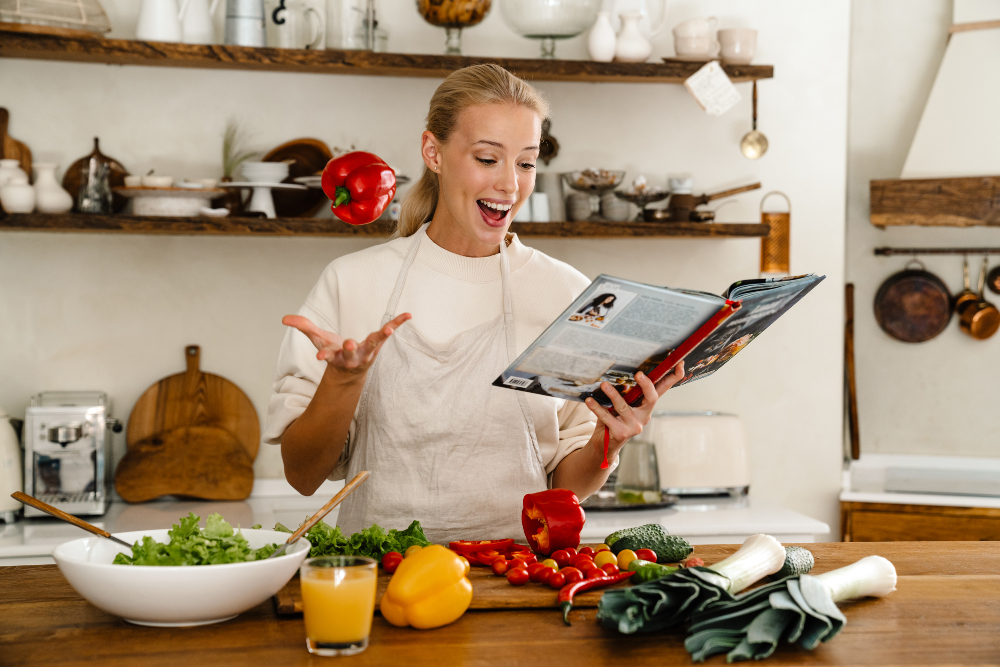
{"type": "Point", "coordinates": [360, 184]}
{"type": "Point", "coordinates": [552, 520]}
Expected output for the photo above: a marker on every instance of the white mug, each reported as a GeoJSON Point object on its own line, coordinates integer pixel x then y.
{"type": "Point", "coordinates": [159, 21]}
{"type": "Point", "coordinates": [694, 38]}
{"type": "Point", "coordinates": [294, 24]}
{"type": "Point", "coordinates": [738, 45]}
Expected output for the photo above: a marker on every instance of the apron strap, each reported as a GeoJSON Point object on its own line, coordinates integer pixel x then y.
{"type": "Point", "coordinates": [401, 278]}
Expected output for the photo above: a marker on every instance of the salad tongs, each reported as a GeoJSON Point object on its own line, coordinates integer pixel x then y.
{"type": "Point", "coordinates": [69, 518]}
{"type": "Point", "coordinates": [314, 519]}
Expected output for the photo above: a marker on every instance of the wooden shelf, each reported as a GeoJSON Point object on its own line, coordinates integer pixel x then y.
{"type": "Point", "coordinates": [125, 224]}
{"type": "Point", "coordinates": [936, 202]}
{"type": "Point", "coordinates": [215, 56]}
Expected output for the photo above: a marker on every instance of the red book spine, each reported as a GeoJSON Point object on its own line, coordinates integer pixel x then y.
{"type": "Point", "coordinates": [695, 339]}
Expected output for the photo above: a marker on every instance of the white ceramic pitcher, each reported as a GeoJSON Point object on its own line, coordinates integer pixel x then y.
{"type": "Point", "coordinates": [159, 21]}
{"type": "Point", "coordinates": [196, 19]}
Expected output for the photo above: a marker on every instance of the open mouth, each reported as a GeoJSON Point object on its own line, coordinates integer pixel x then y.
{"type": "Point", "coordinates": [494, 213]}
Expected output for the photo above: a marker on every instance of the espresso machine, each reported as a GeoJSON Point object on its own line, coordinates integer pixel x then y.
{"type": "Point", "coordinates": [67, 451]}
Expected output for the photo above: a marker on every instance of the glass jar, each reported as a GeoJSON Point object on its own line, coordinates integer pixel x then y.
{"type": "Point", "coordinates": [638, 474]}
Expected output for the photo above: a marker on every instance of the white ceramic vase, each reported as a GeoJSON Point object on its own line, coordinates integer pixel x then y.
{"type": "Point", "coordinates": [9, 169]}
{"type": "Point", "coordinates": [602, 41]}
{"type": "Point", "coordinates": [632, 47]}
{"type": "Point", "coordinates": [16, 196]}
{"type": "Point", "coordinates": [49, 195]}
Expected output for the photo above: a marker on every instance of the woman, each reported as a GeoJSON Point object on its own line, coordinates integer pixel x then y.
{"type": "Point", "coordinates": [600, 306]}
{"type": "Point", "coordinates": [413, 401]}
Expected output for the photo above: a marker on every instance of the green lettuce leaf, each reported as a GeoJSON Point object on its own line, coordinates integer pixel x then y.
{"type": "Point", "coordinates": [189, 544]}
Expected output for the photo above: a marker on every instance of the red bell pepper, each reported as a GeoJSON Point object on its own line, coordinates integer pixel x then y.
{"type": "Point", "coordinates": [552, 520]}
{"type": "Point", "coordinates": [360, 184]}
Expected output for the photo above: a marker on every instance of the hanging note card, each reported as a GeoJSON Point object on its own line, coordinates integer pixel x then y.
{"type": "Point", "coordinates": [712, 89]}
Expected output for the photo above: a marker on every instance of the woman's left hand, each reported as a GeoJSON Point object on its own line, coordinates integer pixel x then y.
{"type": "Point", "coordinates": [630, 420]}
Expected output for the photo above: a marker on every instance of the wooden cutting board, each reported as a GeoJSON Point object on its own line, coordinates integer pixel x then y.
{"type": "Point", "coordinates": [191, 434]}
{"type": "Point", "coordinates": [488, 592]}
{"type": "Point", "coordinates": [12, 149]}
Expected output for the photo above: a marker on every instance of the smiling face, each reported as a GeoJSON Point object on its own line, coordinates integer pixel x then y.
{"type": "Point", "coordinates": [486, 170]}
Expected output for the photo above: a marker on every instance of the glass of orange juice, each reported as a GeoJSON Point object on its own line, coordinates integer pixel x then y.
{"type": "Point", "coordinates": [338, 602]}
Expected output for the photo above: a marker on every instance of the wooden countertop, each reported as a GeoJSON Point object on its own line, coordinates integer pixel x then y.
{"type": "Point", "coordinates": [946, 611]}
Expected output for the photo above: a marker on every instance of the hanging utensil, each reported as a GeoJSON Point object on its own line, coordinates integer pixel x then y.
{"type": "Point", "coordinates": [69, 518]}
{"type": "Point", "coordinates": [314, 519]}
{"type": "Point", "coordinates": [913, 305]}
{"type": "Point", "coordinates": [977, 317]}
{"type": "Point", "coordinates": [993, 280]}
{"type": "Point", "coordinates": [753, 145]}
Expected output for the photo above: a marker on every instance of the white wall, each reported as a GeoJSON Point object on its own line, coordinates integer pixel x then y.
{"type": "Point", "coordinates": [936, 397]}
{"type": "Point", "coordinates": [113, 312]}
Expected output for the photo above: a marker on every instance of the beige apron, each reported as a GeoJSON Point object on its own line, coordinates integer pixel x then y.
{"type": "Point", "coordinates": [444, 446]}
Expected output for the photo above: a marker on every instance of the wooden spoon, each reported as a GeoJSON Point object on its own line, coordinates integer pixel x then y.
{"type": "Point", "coordinates": [69, 518]}
{"type": "Point", "coordinates": [314, 519]}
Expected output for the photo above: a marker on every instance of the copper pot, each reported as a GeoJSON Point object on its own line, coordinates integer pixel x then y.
{"type": "Point", "coordinates": [977, 317]}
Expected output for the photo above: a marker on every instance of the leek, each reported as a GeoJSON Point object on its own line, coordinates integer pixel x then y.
{"type": "Point", "coordinates": [759, 556]}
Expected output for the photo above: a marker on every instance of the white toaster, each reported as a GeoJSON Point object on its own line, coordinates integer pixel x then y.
{"type": "Point", "coordinates": [700, 452]}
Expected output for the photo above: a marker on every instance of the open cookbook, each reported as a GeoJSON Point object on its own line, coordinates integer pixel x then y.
{"type": "Point", "coordinates": [618, 327]}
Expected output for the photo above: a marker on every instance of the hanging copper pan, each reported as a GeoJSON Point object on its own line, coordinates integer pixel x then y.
{"type": "Point", "coordinates": [913, 305]}
{"type": "Point", "coordinates": [977, 317]}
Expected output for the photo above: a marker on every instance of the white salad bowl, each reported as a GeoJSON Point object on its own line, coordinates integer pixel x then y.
{"type": "Point", "coordinates": [175, 595]}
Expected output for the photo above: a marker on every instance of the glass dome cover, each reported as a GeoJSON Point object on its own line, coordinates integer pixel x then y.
{"type": "Point", "coordinates": [549, 20]}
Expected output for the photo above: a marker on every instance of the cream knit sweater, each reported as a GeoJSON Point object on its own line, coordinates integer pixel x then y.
{"type": "Point", "coordinates": [447, 294]}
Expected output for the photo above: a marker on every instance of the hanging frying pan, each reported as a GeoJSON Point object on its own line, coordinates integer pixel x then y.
{"type": "Point", "coordinates": [913, 305]}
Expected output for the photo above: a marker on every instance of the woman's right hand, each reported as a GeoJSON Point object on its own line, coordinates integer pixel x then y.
{"type": "Point", "coordinates": [345, 356]}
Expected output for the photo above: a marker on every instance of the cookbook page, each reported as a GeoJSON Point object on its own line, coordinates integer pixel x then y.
{"type": "Point", "coordinates": [614, 329]}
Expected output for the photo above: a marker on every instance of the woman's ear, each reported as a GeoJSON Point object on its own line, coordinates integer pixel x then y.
{"type": "Point", "coordinates": [430, 151]}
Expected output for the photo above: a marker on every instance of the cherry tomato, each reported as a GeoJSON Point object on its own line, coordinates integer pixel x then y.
{"type": "Point", "coordinates": [561, 557]}
{"type": "Point", "coordinates": [596, 573]}
{"type": "Point", "coordinates": [586, 550]}
{"type": "Point", "coordinates": [517, 577]}
{"type": "Point", "coordinates": [499, 567]}
{"type": "Point", "coordinates": [610, 568]}
{"type": "Point", "coordinates": [535, 571]}
{"type": "Point", "coordinates": [582, 558]}
{"type": "Point", "coordinates": [646, 554]}
{"type": "Point", "coordinates": [693, 562]}
{"type": "Point", "coordinates": [601, 547]}
{"type": "Point", "coordinates": [571, 551]}
{"type": "Point", "coordinates": [548, 562]}
{"type": "Point", "coordinates": [527, 559]}
{"type": "Point", "coordinates": [572, 574]}
{"type": "Point", "coordinates": [605, 557]}
{"type": "Point", "coordinates": [557, 580]}
{"type": "Point", "coordinates": [412, 550]}
{"type": "Point", "coordinates": [391, 561]}
{"type": "Point", "coordinates": [586, 566]}
{"type": "Point", "coordinates": [625, 556]}
{"type": "Point", "coordinates": [544, 575]}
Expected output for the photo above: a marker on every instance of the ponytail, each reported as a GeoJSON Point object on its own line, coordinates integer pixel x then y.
{"type": "Point", "coordinates": [477, 85]}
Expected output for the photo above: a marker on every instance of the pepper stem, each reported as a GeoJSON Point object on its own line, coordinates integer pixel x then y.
{"type": "Point", "coordinates": [343, 196]}
{"type": "Point", "coordinates": [566, 606]}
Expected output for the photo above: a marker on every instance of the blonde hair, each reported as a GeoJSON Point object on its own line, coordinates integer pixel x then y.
{"type": "Point", "coordinates": [477, 85]}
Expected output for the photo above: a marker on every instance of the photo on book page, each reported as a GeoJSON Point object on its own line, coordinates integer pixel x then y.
{"type": "Point", "coordinates": [618, 327]}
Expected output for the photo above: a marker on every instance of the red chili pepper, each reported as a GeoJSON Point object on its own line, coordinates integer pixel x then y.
{"type": "Point", "coordinates": [552, 520]}
{"type": "Point", "coordinates": [607, 442]}
{"type": "Point", "coordinates": [360, 184]}
{"type": "Point", "coordinates": [473, 546]}
{"type": "Point", "coordinates": [568, 591]}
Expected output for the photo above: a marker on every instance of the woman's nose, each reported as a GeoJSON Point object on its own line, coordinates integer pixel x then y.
{"type": "Point", "coordinates": [507, 180]}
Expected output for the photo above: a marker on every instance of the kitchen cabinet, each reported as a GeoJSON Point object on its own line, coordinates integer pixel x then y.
{"type": "Point", "coordinates": [886, 522]}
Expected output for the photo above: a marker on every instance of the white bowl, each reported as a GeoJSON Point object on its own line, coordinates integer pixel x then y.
{"type": "Point", "coordinates": [157, 181]}
{"type": "Point", "coordinates": [175, 596]}
{"type": "Point", "coordinates": [133, 181]}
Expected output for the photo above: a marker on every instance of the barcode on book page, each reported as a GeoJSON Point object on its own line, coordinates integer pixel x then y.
{"type": "Point", "coordinates": [515, 381]}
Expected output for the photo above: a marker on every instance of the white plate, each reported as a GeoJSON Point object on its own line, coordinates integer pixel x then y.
{"type": "Point", "coordinates": [273, 186]}
{"type": "Point", "coordinates": [316, 180]}
{"type": "Point", "coordinates": [175, 596]}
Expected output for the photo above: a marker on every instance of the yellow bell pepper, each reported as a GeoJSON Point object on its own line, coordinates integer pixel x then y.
{"type": "Point", "coordinates": [428, 590]}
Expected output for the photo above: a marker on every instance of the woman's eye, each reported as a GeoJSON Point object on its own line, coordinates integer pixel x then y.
{"type": "Point", "coordinates": [527, 165]}
{"type": "Point", "coordinates": [486, 161]}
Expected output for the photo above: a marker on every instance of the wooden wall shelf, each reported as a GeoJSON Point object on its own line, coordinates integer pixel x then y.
{"type": "Point", "coordinates": [937, 202]}
{"type": "Point", "coordinates": [215, 56]}
{"type": "Point", "coordinates": [77, 222]}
